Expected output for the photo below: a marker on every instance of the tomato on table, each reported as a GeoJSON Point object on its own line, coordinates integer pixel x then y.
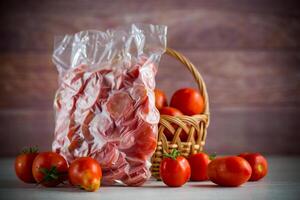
{"type": "Point", "coordinates": [23, 164]}
{"type": "Point", "coordinates": [231, 171]}
{"type": "Point", "coordinates": [258, 164]}
{"type": "Point", "coordinates": [174, 170]}
{"type": "Point", "coordinates": [188, 101]}
{"type": "Point", "coordinates": [199, 163]}
{"type": "Point", "coordinates": [49, 169]}
{"type": "Point", "coordinates": [160, 99]}
{"type": "Point", "coordinates": [86, 173]}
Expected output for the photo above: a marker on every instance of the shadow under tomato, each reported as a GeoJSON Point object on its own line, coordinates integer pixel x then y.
{"type": "Point", "coordinates": [204, 186]}
{"type": "Point", "coordinates": [157, 186]}
{"type": "Point", "coordinates": [16, 184]}
{"type": "Point", "coordinates": [143, 186]}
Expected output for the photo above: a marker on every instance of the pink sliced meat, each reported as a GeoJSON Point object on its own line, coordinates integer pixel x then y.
{"type": "Point", "coordinates": [119, 105]}
{"type": "Point", "coordinates": [115, 172]}
{"type": "Point", "coordinates": [65, 100]}
{"type": "Point", "coordinates": [108, 155]}
{"type": "Point", "coordinates": [106, 114]}
{"type": "Point", "coordinates": [137, 175]}
{"type": "Point", "coordinates": [73, 81]}
{"type": "Point", "coordinates": [139, 94]}
{"type": "Point", "coordinates": [90, 93]}
{"type": "Point", "coordinates": [104, 106]}
{"type": "Point", "coordinates": [102, 124]}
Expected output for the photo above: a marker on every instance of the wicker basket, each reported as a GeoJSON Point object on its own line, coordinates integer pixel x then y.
{"type": "Point", "coordinates": [193, 125]}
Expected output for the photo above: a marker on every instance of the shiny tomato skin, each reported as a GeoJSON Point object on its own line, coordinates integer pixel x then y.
{"type": "Point", "coordinates": [23, 167]}
{"type": "Point", "coordinates": [47, 160]}
{"type": "Point", "coordinates": [86, 173]}
{"type": "Point", "coordinates": [188, 100]}
{"type": "Point", "coordinates": [170, 111]}
{"type": "Point", "coordinates": [199, 163]}
{"type": "Point", "coordinates": [160, 99]}
{"type": "Point", "coordinates": [231, 171]}
{"type": "Point", "coordinates": [175, 172]}
{"type": "Point", "coordinates": [258, 164]}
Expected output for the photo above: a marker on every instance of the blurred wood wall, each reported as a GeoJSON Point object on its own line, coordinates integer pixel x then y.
{"type": "Point", "coordinates": [247, 51]}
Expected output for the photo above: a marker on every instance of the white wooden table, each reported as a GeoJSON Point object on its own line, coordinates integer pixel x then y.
{"type": "Point", "coordinates": [282, 183]}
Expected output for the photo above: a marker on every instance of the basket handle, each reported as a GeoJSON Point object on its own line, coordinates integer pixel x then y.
{"type": "Point", "coordinates": [197, 76]}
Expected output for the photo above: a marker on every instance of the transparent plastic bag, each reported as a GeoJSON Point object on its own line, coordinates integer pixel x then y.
{"type": "Point", "coordinates": [104, 106]}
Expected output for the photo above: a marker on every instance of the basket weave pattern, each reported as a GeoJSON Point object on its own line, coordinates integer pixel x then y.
{"type": "Point", "coordinates": [195, 126]}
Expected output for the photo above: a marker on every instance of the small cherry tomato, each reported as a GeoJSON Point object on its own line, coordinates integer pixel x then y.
{"type": "Point", "coordinates": [86, 173]}
{"type": "Point", "coordinates": [230, 171]}
{"type": "Point", "coordinates": [23, 164]}
{"type": "Point", "coordinates": [188, 101]}
{"type": "Point", "coordinates": [175, 170]}
{"type": "Point", "coordinates": [160, 99]}
{"type": "Point", "coordinates": [258, 164]}
{"type": "Point", "coordinates": [49, 169]}
{"type": "Point", "coordinates": [199, 163]}
{"type": "Point", "coordinates": [170, 111]}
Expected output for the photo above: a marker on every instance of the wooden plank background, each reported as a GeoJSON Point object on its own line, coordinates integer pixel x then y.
{"type": "Point", "coordinates": [247, 51]}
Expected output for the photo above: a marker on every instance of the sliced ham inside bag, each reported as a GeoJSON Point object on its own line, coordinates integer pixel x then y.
{"type": "Point", "coordinates": [104, 106]}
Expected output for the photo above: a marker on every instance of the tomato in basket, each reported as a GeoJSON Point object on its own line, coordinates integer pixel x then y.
{"type": "Point", "coordinates": [188, 101]}
{"type": "Point", "coordinates": [170, 111]}
{"type": "Point", "coordinates": [160, 99]}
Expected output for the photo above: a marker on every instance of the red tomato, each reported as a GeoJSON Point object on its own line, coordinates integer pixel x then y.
{"type": "Point", "coordinates": [258, 164]}
{"type": "Point", "coordinates": [188, 101]}
{"type": "Point", "coordinates": [49, 169]}
{"type": "Point", "coordinates": [86, 173]}
{"type": "Point", "coordinates": [160, 99]}
{"type": "Point", "coordinates": [175, 170]}
{"type": "Point", "coordinates": [170, 111]}
{"type": "Point", "coordinates": [173, 112]}
{"type": "Point", "coordinates": [23, 165]}
{"type": "Point", "coordinates": [229, 171]}
{"type": "Point", "coordinates": [199, 163]}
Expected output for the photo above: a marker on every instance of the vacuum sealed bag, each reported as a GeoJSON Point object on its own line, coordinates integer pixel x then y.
{"type": "Point", "coordinates": [105, 106]}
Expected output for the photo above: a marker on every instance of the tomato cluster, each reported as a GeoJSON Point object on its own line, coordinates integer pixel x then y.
{"type": "Point", "coordinates": [50, 169]}
{"type": "Point", "coordinates": [225, 171]}
{"type": "Point", "coordinates": [229, 171]}
{"type": "Point", "coordinates": [185, 101]}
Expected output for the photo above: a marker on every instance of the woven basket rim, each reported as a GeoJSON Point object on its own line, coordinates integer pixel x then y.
{"type": "Point", "coordinates": [199, 81]}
